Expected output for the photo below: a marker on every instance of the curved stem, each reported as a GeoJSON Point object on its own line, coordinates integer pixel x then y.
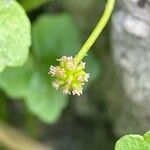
{"type": "Point", "coordinates": [97, 31]}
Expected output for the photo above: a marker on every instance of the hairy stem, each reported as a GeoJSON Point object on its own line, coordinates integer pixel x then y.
{"type": "Point", "coordinates": [97, 31]}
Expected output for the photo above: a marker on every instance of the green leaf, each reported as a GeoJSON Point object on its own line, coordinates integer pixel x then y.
{"type": "Point", "coordinates": [15, 81]}
{"type": "Point", "coordinates": [32, 4]}
{"type": "Point", "coordinates": [147, 136]}
{"type": "Point", "coordinates": [134, 142]}
{"type": "Point", "coordinates": [44, 101]}
{"type": "Point", "coordinates": [14, 34]}
{"type": "Point", "coordinates": [54, 36]}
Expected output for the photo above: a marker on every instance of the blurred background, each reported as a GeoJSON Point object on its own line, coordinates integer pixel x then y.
{"type": "Point", "coordinates": [116, 99]}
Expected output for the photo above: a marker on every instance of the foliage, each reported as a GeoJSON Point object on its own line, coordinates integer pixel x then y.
{"type": "Point", "coordinates": [52, 36]}
{"type": "Point", "coordinates": [14, 34]}
{"type": "Point", "coordinates": [134, 142]}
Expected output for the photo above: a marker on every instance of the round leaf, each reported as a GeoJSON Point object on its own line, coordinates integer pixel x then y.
{"type": "Point", "coordinates": [14, 34]}
{"type": "Point", "coordinates": [54, 36]}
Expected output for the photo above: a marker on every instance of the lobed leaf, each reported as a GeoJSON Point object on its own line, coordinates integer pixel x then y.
{"type": "Point", "coordinates": [134, 142]}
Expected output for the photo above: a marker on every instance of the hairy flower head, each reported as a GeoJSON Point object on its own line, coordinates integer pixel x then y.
{"type": "Point", "coordinates": [69, 76]}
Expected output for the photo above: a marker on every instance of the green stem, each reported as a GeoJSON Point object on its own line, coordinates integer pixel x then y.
{"type": "Point", "coordinates": [97, 31]}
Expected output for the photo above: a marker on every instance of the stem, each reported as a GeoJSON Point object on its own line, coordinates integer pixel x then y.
{"type": "Point", "coordinates": [97, 31]}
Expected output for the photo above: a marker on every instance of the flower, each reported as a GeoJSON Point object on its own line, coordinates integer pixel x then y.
{"type": "Point", "coordinates": [69, 76]}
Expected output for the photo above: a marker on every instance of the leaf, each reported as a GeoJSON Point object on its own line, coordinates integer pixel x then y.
{"type": "Point", "coordinates": [32, 4]}
{"type": "Point", "coordinates": [14, 34]}
{"type": "Point", "coordinates": [54, 36]}
{"type": "Point", "coordinates": [15, 81]}
{"type": "Point", "coordinates": [44, 101]}
{"type": "Point", "coordinates": [147, 136]}
{"type": "Point", "coordinates": [134, 142]}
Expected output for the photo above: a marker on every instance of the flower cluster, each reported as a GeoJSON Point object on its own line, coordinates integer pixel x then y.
{"type": "Point", "coordinates": [69, 77]}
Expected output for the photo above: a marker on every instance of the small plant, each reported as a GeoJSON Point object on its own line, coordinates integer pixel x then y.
{"type": "Point", "coordinates": [70, 75]}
